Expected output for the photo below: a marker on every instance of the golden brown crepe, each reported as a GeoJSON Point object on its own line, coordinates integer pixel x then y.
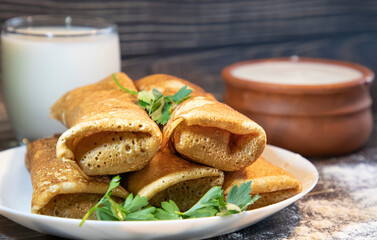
{"type": "Point", "coordinates": [60, 188]}
{"type": "Point", "coordinates": [169, 177]}
{"type": "Point", "coordinates": [108, 132]}
{"type": "Point", "coordinates": [271, 182]}
{"type": "Point", "coordinates": [205, 130]}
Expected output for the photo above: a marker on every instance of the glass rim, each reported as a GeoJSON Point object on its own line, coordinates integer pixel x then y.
{"type": "Point", "coordinates": [100, 26]}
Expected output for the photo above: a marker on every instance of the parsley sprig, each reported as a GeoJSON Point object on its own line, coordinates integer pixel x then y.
{"type": "Point", "coordinates": [138, 209]}
{"type": "Point", "coordinates": [158, 106]}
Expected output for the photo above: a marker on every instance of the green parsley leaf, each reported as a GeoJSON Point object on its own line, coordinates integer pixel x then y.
{"type": "Point", "coordinates": [116, 209]}
{"type": "Point", "coordinates": [229, 210]}
{"type": "Point", "coordinates": [165, 114]}
{"type": "Point", "coordinates": [157, 94]}
{"type": "Point", "coordinates": [241, 196]}
{"type": "Point", "coordinates": [123, 88]}
{"type": "Point", "coordinates": [181, 95]}
{"type": "Point", "coordinates": [158, 106]}
{"type": "Point", "coordinates": [208, 211]}
{"type": "Point", "coordinates": [169, 211]}
{"type": "Point", "coordinates": [142, 215]}
{"type": "Point", "coordinates": [138, 209]}
{"type": "Point", "coordinates": [145, 99]}
{"type": "Point", "coordinates": [104, 214]}
{"type": "Point", "coordinates": [113, 184]}
{"type": "Point", "coordinates": [134, 204]}
{"type": "Point", "coordinates": [155, 111]}
{"type": "Point", "coordinates": [208, 201]}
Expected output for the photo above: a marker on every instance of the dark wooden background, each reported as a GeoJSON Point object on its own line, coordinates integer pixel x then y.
{"type": "Point", "coordinates": [196, 39]}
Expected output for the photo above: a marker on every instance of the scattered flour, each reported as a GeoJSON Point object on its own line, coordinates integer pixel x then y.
{"type": "Point", "coordinates": [359, 181]}
{"type": "Point", "coordinates": [353, 176]}
{"type": "Point", "coordinates": [352, 211]}
{"type": "Point", "coordinates": [361, 231]}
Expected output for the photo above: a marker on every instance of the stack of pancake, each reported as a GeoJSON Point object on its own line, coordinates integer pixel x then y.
{"type": "Point", "coordinates": [205, 143]}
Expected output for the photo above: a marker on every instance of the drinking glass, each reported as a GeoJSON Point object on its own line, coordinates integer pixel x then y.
{"type": "Point", "coordinates": [43, 57]}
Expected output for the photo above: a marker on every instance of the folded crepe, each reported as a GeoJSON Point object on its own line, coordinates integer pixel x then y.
{"type": "Point", "coordinates": [271, 182]}
{"type": "Point", "coordinates": [205, 130]}
{"type": "Point", "coordinates": [61, 188]}
{"type": "Point", "coordinates": [169, 177]}
{"type": "Point", "coordinates": [109, 133]}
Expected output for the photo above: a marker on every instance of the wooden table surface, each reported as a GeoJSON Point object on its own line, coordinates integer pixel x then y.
{"type": "Point", "coordinates": [343, 205]}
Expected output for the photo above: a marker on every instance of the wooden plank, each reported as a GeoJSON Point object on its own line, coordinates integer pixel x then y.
{"type": "Point", "coordinates": [150, 27]}
{"type": "Point", "coordinates": [203, 67]}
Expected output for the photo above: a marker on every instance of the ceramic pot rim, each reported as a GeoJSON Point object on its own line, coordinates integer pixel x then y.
{"type": "Point", "coordinates": [366, 78]}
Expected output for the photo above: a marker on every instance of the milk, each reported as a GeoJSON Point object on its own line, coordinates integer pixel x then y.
{"type": "Point", "coordinates": [37, 70]}
{"type": "Point", "coordinates": [296, 73]}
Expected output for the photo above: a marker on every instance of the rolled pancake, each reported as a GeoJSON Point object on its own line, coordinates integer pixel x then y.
{"type": "Point", "coordinates": [61, 188]}
{"type": "Point", "coordinates": [271, 182]}
{"type": "Point", "coordinates": [205, 130]}
{"type": "Point", "coordinates": [169, 177]}
{"type": "Point", "coordinates": [108, 132]}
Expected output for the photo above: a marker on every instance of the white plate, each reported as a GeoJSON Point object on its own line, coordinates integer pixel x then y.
{"type": "Point", "coordinates": [16, 191]}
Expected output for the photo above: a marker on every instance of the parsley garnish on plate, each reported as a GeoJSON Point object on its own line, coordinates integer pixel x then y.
{"type": "Point", "coordinates": [158, 106]}
{"type": "Point", "coordinates": [138, 209]}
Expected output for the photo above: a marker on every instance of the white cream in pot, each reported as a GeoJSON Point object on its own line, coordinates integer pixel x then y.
{"type": "Point", "coordinates": [296, 73]}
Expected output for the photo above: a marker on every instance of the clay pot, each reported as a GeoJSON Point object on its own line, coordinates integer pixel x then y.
{"type": "Point", "coordinates": [313, 120]}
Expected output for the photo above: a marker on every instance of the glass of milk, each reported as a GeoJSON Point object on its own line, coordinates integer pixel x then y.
{"type": "Point", "coordinates": [43, 57]}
